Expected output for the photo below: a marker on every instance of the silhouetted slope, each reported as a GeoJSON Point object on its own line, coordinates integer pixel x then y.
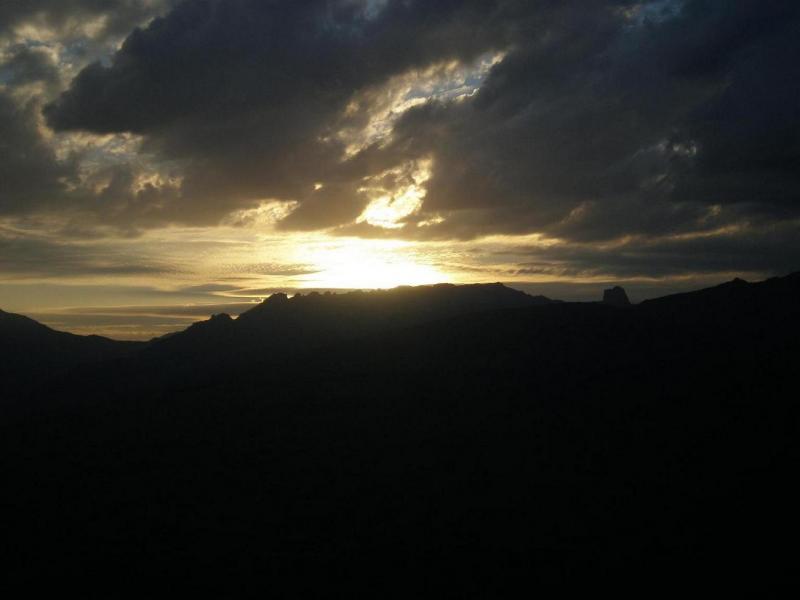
{"type": "Point", "coordinates": [398, 306]}
{"type": "Point", "coordinates": [738, 297]}
{"type": "Point", "coordinates": [543, 442]}
{"type": "Point", "coordinates": [30, 351]}
{"type": "Point", "coordinates": [282, 326]}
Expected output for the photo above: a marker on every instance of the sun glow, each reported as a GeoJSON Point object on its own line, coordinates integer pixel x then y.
{"type": "Point", "coordinates": [367, 264]}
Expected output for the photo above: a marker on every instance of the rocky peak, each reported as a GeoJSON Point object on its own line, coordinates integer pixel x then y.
{"type": "Point", "coordinates": [279, 298]}
{"type": "Point", "coordinates": [616, 296]}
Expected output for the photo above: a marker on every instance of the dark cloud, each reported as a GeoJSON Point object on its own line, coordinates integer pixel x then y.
{"type": "Point", "coordinates": [603, 119]}
{"type": "Point", "coordinates": [27, 64]}
{"type": "Point", "coordinates": [252, 60]}
{"type": "Point", "coordinates": [762, 251]}
{"type": "Point", "coordinates": [605, 127]}
{"type": "Point", "coordinates": [30, 172]}
{"type": "Point", "coordinates": [31, 257]}
{"type": "Point", "coordinates": [34, 177]}
{"type": "Point", "coordinates": [247, 95]}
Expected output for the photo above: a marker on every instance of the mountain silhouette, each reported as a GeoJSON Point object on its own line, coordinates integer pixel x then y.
{"type": "Point", "coordinates": [473, 433]}
{"type": "Point", "coordinates": [323, 319]}
{"type": "Point", "coordinates": [616, 296]}
{"type": "Point", "coordinates": [32, 351]}
{"type": "Point", "coordinates": [282, 327]}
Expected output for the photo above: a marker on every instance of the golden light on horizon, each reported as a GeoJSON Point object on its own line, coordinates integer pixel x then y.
{"type": "Point", "coordinates": [367, 264]}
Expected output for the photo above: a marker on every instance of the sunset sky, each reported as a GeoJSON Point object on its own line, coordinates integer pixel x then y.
{"type": "Point", "coordinates": [161, 161]}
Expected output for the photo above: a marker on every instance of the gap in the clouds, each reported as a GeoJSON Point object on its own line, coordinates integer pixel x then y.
{"type": "Point", "coordinates": [370, 118]}
{"type": "Point", "coordinates": [372, 113]}
{"type": "Point", "coordinates": [388, 208]}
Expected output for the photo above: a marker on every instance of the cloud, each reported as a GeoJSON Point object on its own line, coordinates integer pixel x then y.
{"type": "Point", "coordinates": [26, 257]}
{"type": "Point", "coordinates": [25, 64]}
{"type": "Point", "coordinates": [593, 124]}
{"type": "Point", "coordinates": [607, 126]}
{"type": "Point", "coordinates": [758, 250]}
{"type": "Point", "coordinates": [30, 172]}
{"type": "Point", "coordinates": [42, 44]}
{"type": "Point", "coordinates": [116, 16]}
{"type": "Point", "coordinates": [248, 96]}
{"type": "Point", "coordinates": [601, 120]}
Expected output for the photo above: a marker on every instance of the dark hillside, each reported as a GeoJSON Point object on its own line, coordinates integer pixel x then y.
{"type": "Point", "coordinates": [547, 441]}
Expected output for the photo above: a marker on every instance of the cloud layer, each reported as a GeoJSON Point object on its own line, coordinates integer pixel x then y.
{"type": "Point", "coordinates": [607, 126]}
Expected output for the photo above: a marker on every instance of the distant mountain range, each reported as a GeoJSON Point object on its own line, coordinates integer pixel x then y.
{"type": "Point", "coordinates": [276, 327]}
{"type": "Point", "coordinates": [280, 327]}
{"type": "Point", "coordinates": [462, 429]}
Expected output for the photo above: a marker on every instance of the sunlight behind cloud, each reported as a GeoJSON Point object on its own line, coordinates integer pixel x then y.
{"type": "Point", "coordinates": [388, 209]}
{"type": "Point", "coordinates": [368, 264]}
{"type": "Point", "coordinates": [265, 215]}
{"type": "Point", "coordinates": [370, 117]}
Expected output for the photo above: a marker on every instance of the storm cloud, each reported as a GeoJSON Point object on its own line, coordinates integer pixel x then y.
{"type": "Point", "coordinates": [247, 96]}
{"type": "Point", "coordinates": [637, 123]}
{"type": "Point", "coordinates": [656, 110]}
{"type": "Point", "coordinates": [592, 123]}
{"type": "Point", "coordinates": [30, 172]}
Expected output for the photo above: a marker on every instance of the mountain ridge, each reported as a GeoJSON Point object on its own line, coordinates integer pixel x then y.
{"type": "Point", "coordinates": [556, 437]}
{"type": "Point", "coordinates": [30, 351]}
{"type": "Point", "coordinates": [281, 325]}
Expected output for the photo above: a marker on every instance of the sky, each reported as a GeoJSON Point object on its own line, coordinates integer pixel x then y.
{"type": "Point", "coordinates": [163, 160]}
